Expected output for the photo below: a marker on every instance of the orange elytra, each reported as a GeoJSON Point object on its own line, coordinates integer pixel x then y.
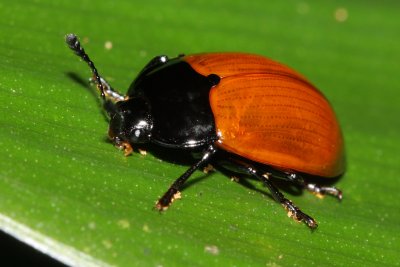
{"type": "Point", "coordinates": [268, 113]}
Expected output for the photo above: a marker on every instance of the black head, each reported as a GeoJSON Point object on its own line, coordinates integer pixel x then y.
{"type": "Point", "coordinates": [131, 122]}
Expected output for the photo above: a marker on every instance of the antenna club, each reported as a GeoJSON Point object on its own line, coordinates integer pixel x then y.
{"type": "Point", "coordinates": [73, 42]}
{"type": "Point", "coordinates": [71, 39]}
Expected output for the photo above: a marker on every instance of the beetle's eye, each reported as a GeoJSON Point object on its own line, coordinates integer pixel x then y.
{"type": "Point", "coordinates": [137, 133]}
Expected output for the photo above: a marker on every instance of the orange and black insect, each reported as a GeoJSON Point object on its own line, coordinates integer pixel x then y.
{"type": "Point", "coordinates": [236, 109]}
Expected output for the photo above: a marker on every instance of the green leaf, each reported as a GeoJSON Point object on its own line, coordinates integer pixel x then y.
{"type": "Point", "coordinates": [68, 192]}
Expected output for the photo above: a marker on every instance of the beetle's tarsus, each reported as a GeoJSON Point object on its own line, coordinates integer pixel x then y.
{"type": "Point", "coordinates": [295, 213]}
{"type": "Point", "coordinates": [125, 146]}
{"type": "Point", "coordinates": [324, 190]}
{"type": "Point", "coordinates": [166, 200]}
{"type": "Point", "coordinates": [127, 150]}
{"type": "Point", "coordinates": [319, 191]}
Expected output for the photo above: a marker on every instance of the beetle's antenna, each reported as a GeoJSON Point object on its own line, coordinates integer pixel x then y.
{"type": "Point", "coordinates": [73, 43]}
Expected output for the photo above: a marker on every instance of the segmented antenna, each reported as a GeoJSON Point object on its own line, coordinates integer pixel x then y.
{"type": "Point", "coordinates": [73, 43]}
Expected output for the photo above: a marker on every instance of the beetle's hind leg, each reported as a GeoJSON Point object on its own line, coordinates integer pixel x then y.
{"type": "Point", "coordinates": [316, 189]}
{"type": "Point", "coordinates": [293, 211]}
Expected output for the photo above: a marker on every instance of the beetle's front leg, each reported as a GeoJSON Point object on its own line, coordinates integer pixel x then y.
{"type": "Point", "coordinates": [173, 192]}
{"type": "Point", "coordinates": [110, 93]}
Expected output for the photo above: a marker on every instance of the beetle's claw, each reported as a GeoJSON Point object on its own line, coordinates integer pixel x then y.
{"type": "Point", "coordinates": [339, 195]}
{"type": "Point", "coordinates": [295, 213]}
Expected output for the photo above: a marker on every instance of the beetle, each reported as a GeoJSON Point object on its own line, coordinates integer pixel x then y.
{"type": "Point", "coordinates": [238, 111]}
